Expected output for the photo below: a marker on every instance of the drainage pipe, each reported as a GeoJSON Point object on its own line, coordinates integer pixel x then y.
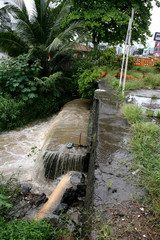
{"type": "Point", "coordinates": [54, 198]}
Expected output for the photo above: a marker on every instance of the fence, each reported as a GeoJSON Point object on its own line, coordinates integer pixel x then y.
{"type": "Point", "coordinates": [145, 62]}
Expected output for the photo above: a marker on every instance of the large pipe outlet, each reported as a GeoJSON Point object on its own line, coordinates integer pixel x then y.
{"type": "Point", "coordinates": [54, 198]}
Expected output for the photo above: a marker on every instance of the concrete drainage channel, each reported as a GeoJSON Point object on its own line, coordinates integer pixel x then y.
{"type": "Point", "coordinates": [109, 160]}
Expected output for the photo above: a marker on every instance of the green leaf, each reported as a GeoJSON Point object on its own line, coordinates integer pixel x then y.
{"type": "Point", "coordinates": [4, 197]}
{"type": "Point", "coordinates": [15, 84]}
{"type": "Point", "coordinates": [32, 95]}
{"type": "Point", "coordinates": [25, 98]}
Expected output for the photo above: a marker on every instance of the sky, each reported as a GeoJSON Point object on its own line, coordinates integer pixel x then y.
{"type": "Point", "coordinates": [154, 27]}
{"type": "Point", "coordinates": [155, 24]}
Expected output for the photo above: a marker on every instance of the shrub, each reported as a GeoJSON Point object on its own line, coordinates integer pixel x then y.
{"type": "Point", "coordinates": [11, 113]}
{"type": "Point", "coordinates": [88, 82]}
{"type": "Point", "coordinates": [131, 61]}
{"type": "Point", "coordinates": [17, 77]}
{"type": "Point", "coordinates": [157, 65]}
{"type": "Point", "coordinates": [108, 56]}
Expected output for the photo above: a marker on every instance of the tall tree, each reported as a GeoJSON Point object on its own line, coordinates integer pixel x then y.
{"type": "Point", "coordinates": [107, 21]}
{"type": "Point", "coordinates": [37, 30]}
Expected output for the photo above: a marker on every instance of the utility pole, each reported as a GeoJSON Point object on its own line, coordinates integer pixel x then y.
{"type": "Point", "coordinates": [126, 53]}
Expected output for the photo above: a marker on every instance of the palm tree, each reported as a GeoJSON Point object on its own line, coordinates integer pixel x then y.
{"type": "Point", "coordinates": [38, 31]}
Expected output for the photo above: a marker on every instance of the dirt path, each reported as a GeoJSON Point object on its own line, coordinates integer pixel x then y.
{"type": "Point", "coordinates": [117, 196]}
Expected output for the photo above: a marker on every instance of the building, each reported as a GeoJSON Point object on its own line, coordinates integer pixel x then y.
{"type": "Point", "coordinates": [156, 52]}
{"type": "Point", "coordinates": [148, 52]}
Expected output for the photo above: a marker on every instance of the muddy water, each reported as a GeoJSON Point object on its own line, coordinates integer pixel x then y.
{"type": "Point", "coordinates": [20, 149]}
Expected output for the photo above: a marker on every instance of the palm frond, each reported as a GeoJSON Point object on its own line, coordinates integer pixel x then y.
{"type": "Point", "coordinates": [64, 37]}
{"type": "Point", "coordinates": [54, 45]}
{"type": "Point", "coordinates": [42, 23]}
{"type": "Point", "coordinates": [12, 44]}
{"type": "Point", "coordinates": [19, 4]}
{"type": "Point", "coordinates": [65, 8]}
{"type": "Point", "coordinates": [64, 11]}
{"type": "Point", "coordinates": [31, 10]}
{"type": "Point", "coordinates": [70, 31]}
{"type": "Point", "coordinates": [22, 24]}
{"type": "Point", "coordinates": [65, 49]}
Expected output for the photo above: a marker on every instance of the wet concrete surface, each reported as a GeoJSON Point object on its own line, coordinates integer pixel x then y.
{"type": "Point", "coordinates": [113, 159]}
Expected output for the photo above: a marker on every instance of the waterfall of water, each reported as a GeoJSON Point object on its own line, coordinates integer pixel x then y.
{"type": "Point", "coordinates": [56, 163]}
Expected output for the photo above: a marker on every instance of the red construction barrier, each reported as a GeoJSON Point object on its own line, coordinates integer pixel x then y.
{"type": "Point", "coordinates": [145, 62]}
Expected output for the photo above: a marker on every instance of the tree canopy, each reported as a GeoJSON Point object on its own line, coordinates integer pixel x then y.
{"type": "Point", "coordinates": [107, 21]}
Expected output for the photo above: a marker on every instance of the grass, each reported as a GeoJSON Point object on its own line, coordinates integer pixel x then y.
{"type": "Point", "coordinates": [145, 69]}
{"type": "Point", "coordinates": [150, 81]}
{"type": "Point", "coordinates": [158, 115]}
{"type": "Point", "coordinates": [102, 226]}
{"type": "Point", "coordinates": [145, 145]}
{"type": "Point", "coordinates": [135, 74]}
{"type": "Point", "coordinates": [149, 113]}
{"type": "Point", "coordinates": [132, 113]}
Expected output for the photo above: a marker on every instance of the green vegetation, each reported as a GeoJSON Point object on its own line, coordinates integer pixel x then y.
{"type": "Point", "coordinates": [17, 77]}
{"type": "Point", "coordinates": [130, 61]}
{"type": "Point", "coordinates": [108, 21]}
{"type": "Point", "coordinates": [132, 113]}
{"type": "Point", "coordinates": [108, 56]}
{"type": "Point", "coordinates": [149, 113]}
{"type": "Point", "coordinates": [32, 230]}
{"type": "Point", "coordinates": [145, 143]}
{"type": "Point", "coordinates": [38, 32]}
{"type": "Point", "coordinates": [157, 66]}
{"type": "Point", "coordinates": [88, 82]}
{"type": "Point", "coordinates": [11, 113]}
{"type": "Point", "coordinates": [146, 79]}
{"type": "Point", "coordinates": [9, 190]}
{"type": "Point", "coordinates": [35, 81]}
{"type": "Point", "coordinates": [26, 229]}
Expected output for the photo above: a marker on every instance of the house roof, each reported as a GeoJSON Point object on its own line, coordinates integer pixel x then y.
{"type": "Point", "coordinates": [82, 47]}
